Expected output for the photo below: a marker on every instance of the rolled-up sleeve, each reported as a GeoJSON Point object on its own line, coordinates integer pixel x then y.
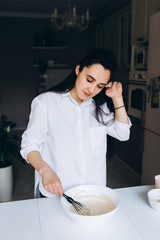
{"type": "Point", "coordinates": [119, 130]}
{"type": "Point", "coordinates": [114, 128]}
{"type": "Point", "coordinates": [37, 128]}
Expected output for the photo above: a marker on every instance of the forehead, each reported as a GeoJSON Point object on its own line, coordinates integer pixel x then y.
{"type": "Point", "coordinates": [98, 72]}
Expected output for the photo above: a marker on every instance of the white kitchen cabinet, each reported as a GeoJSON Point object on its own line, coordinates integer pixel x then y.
{"type": "Point", "coordinates": [153, 7]}
{"type": "Point", "coordinates": [141, 11]}
{"type": "Point", "coordinates": [151, 163]}
{"type": "Point", "coordinates": [139, 23]}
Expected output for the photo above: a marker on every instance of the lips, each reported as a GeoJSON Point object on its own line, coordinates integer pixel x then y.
{"type": "Point", "coordinates": [86, 94]}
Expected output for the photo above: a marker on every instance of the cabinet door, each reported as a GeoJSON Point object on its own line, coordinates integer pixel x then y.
{"type": "Point", "coordinates": [130, 152]}
{"type": "Point", "coordinates": [117, 37]}
{"type": "Point", "coordinates": [151, 153]}
{"type": "Point", "coordinates": [95, 37]}
{"type": "Point", "coordinates": [124, 48]}
{"type": "Point", "coordinates": [111, 35]}
{"type": "Point", "coordinates": [141, 12]}
{"type": "Point", "coordinates": [153, 7]}
{"type": "Point", "coordinates": [139, 15]}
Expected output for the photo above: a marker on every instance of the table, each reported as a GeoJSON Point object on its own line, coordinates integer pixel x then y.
{"type": "Point", "coordinates": [45, 219]}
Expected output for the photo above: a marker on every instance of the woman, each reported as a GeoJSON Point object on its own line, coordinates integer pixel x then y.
{"type": "Point", "coordinates": [65, 140]}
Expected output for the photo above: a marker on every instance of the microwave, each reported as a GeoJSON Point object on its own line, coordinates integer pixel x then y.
{"type": "Point", "coordinates": [140, 57]}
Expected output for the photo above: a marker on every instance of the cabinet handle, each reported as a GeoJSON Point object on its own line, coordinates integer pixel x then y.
{"type": "Point", "coordinates": [140, 39]}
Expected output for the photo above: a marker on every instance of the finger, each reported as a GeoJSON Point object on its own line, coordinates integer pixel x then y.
{"type": "Point", "coordinates": [109, 85]}
{"type": "Point", "coordinates": [60, 189]}
{"type": "Point", "coordinates": [118, 84]}
{"type": "Point", "coordinates": [108, 90]}
{"type": "Point", "coordinates": [51, 189]}
{"type": "Point", "coordinates": [114, 85]}
{"type": "Point", "coordinates": [56, 190]}
{"type": "Point", "coordinates": [108, 94]}
{"type": "Point", "coordinates": [47, 188]}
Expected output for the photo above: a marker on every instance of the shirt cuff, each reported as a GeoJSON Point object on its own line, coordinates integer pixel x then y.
{"type": "Point", "coordinates": [26, 151]}
{"type": "Point", "coordinates": [121, 125]}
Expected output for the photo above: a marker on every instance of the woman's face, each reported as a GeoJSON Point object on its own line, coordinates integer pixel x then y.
{"type": "Point", "coordinates": [90, 81]}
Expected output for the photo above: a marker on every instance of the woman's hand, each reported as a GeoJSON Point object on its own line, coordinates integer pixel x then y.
{"type": "Point", "coordinates": [114, 90]}
{"type": "Point", "coordinates": [50, 181]}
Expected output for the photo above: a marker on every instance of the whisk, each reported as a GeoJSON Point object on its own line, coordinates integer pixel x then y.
{"type": "Point", "coordinates": [79, 207]}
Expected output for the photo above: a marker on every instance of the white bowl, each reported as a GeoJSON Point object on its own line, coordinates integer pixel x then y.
{"type": "Point", "coordinates": [88, 194]}
{"type": "Point", "coordinates": [154, 198]}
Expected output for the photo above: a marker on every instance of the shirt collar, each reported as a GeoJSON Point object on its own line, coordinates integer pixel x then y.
{"type": "Point", "coordinates": [65, 94]}
{"type": "Point", "coordinates": [84, 103]}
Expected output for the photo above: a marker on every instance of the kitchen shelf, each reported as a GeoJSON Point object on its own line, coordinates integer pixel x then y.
{"type": "Point", "coordinates": [49, 47]}
{"type": "Point", "coordinates": [54, 66]}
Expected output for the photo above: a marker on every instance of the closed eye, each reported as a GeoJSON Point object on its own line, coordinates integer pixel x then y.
{"type": "Point", "coordinates": [100, 86]}
{"type": "Point", "coordinates": [89, 80]}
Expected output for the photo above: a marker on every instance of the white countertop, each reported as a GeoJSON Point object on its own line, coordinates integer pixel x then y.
{"type": "Point", "coordinates": [45, 219]}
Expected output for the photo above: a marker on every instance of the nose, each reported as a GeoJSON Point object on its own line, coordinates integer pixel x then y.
{"type": "Point", "coordinates": [92, 88]}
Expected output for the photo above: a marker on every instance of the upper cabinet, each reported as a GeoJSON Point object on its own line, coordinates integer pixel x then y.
{"type": "Point", "coordinates": [139, 23]}
{"type": "Point", "coordinates": [141, 11]}
{"type": "Point", "coordinates": [117, 36]}
{"type": "Point", "coordinates": [113, 33]}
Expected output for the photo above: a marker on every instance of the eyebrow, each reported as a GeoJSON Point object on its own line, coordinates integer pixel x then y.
{"type": "Point", "coordinates": [104, 84]}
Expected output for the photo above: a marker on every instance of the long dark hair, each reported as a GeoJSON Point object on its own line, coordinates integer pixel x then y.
{"type": "Point", "coordinates": [96, 56]}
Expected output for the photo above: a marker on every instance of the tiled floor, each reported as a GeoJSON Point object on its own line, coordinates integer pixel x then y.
{"type": "Point", "coordinates": [118, 175]}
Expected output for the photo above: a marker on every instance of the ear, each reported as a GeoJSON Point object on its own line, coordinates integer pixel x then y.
{"type": "Point", "coordinates": [77, 69]}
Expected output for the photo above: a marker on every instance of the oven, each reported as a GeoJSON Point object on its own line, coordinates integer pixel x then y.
{"type": "Point", "coordinates": [137, 94]}
{"type": "Point", "coordinates": [140, 57]}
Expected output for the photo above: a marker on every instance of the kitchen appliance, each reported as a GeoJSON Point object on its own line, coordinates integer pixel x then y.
{"type": "Point", "coordinates": [136, 100]}
{"type": "Point", "coordinates": [139, 77]}
{"type": "Point", "coordinates": [137, 90]}
{"type": "Point", "coordinates": [151, 151]}
{"type": "Point", "coordinates": [140, 57]}
{"type": "Point", "coordinates": [137, 93]}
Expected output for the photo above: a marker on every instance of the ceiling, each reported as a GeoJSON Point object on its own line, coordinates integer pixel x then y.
{"type": "Point", "coordinates": [96, 7]}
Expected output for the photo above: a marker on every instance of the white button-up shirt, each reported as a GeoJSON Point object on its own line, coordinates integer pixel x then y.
{"type": "Point", "coordinates": [70, 139]}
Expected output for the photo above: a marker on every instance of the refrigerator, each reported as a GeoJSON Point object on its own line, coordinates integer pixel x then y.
{"type": "Point", "coordinates": [151, 147]}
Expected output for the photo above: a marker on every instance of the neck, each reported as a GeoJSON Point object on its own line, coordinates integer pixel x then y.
{"type": "Point", "coordinates": [75, 97]}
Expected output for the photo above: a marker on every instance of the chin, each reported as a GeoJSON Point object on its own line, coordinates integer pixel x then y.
{"type": "Point", "coordinates": [85, 98]}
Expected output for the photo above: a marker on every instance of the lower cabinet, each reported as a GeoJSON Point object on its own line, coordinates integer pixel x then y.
{"type": "Point", "coordinates": [130, 152]}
